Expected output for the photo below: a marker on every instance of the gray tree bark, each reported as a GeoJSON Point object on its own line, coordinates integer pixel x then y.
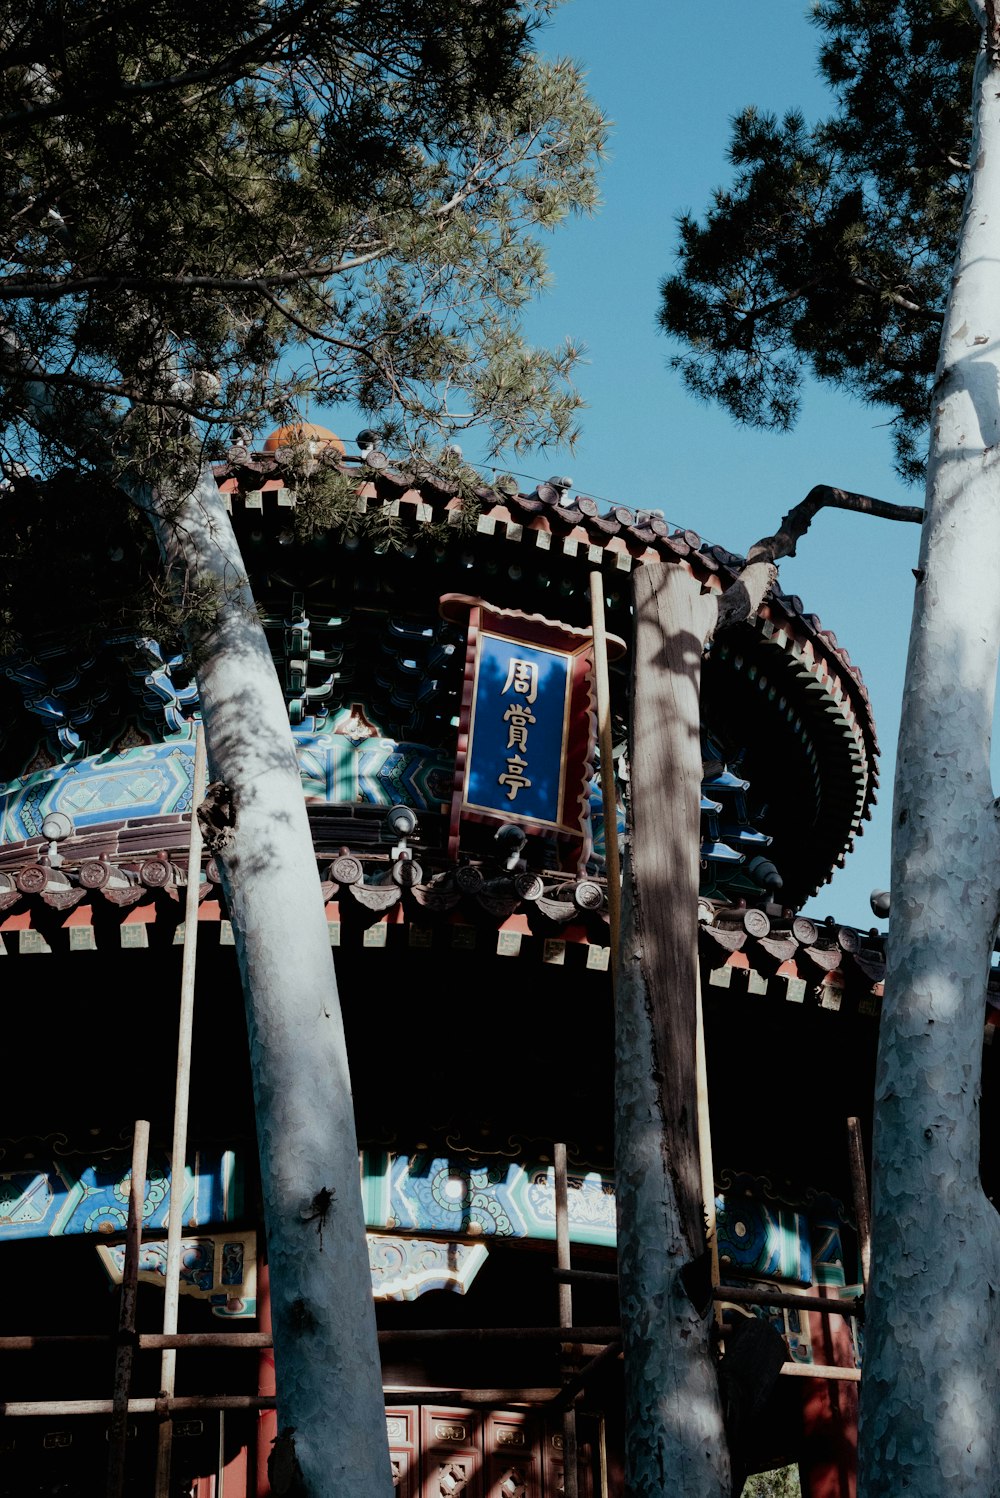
{"type": "Point", "coordinates": [675, 1431]}
{"type": "Point", "coordinates": [675, 1438]}
{"type": "Point", "coordinates": [930, 1396]}
{"type": "Point", "coordinates": [331, 1411]}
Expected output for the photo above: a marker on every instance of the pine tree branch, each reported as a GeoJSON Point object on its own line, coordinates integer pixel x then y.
{"type": "Point", "coordinates": [897, 298]}
{"type": "Point", "coordinates": [311, 332]}
{"type": "Point", "coordinates": [93, 430]}
{"type": "Point", "coordinates": [236, 64]}
{"type": "Point", "coordinates": [43, 51]}
{"type": "Point", "coordinates": [743, 598]}
{"type": "Point", "coordinates": [12, 289]}
{"type": "Point", "coordinates": [750, 315]}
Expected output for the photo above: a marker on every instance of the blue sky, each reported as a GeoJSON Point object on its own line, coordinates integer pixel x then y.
{"type": "Point", "coordinates": [670, 74]}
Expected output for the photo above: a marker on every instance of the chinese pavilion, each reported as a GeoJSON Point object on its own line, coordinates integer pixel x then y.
{"type": "Point", "coordinates": [438, 673]}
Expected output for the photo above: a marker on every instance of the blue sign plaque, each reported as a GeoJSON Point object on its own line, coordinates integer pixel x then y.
{"type": "Point", "coordinates": [517, 737]}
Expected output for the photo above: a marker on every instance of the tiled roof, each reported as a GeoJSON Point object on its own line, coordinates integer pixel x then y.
{"type": "Point", "coordinates": [616, 534]}
{"type": "Point", "coordinates": [551, 523]}
{"type": "Point", "coordinates": [340, 619]}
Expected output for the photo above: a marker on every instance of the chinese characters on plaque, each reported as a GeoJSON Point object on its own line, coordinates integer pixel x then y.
{"type": "Point", "coordinates": [526, 734]}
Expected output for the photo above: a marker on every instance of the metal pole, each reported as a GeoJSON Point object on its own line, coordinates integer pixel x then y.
{"type": "Point", "coordinates": [178, 1147]}
{"type": "Point", "coordinates": [125, 1354]}
{"type": "Point", "coordinates": [570, 1468]}
{"type": "Point", "coordinates": [608, 797]}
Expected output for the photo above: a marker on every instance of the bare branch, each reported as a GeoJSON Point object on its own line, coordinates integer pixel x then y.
{"type": "Point", "coordinates": [824, 497]}
{"type": "Point", "coordinates": [743, 598]}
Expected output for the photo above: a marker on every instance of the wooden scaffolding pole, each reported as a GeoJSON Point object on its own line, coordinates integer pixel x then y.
{"type": "Point", "coordinates": [609, 798]}
{"type": "Point", "coordinates": [125, 1353]}
{"type": "Point", "coordinates": [178, 1147]}
{"type": "Point", "coordinates": [570, 1468]}
{"type": "Point", "coordinates": [859, 1182]}
{"type": "Point", "coordinates": [206, 1341]}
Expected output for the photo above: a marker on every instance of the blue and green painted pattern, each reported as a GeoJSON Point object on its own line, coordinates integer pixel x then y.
{"type": "Point", "coordinates": [759, 1236]}
{"type": "Point", "coordinates": [154, 779]}
{"type": "Point", "coordinates": [59, 1198]}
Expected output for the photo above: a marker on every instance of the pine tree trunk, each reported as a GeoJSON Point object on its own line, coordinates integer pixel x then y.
{"type": "Point", "coordinates": [326, 1350]}
{"type": "Point", "coordinates": [930, 1399]}
{"type": "Point", "coordinates": [675, 1439]}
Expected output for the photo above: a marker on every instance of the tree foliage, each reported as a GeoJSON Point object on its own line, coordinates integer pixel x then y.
{"type": "Point", "coordinates": [830, 251]}
{"type": "Point", "coordinates": [211, 209]}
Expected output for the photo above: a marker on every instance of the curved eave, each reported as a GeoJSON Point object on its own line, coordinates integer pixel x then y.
{"type": "Point", "coordinates": [547, 532]}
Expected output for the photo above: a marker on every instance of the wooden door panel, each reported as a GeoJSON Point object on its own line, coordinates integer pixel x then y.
{"type": "Point", "coordinates": [513, 1458]}
{"type": "Point", "coordinates": [402, 1424]}
{"type": "Point", "coordinates": [452, 1461]}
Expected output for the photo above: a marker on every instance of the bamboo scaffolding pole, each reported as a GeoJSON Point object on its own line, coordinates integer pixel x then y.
{"type": "Point", "coordinates": [17, 1409]}
{"type": "Point", "coordinates": [859, 1183]}
{"type": "Point", "coordinates": [602, 1457]}
{"type": "Point", "coordinates": [576, 1385]}
{"type": "Point", "coordinates": [474, 1398]}
{"type": "Point", "coordinates": [144, 1342]}
{"type": "Point", "coordinates": [52, 1343]}
{"type": "Point", "coordinates": [206, 1341]}
{"type": "Point", "coordinates": [571, 1476]}
{"type": "Point", "coordinates": [831, 1371]}
{"type": "Point", "coordinates": [609, 799]}
{"type": "Point", "coordinates": [498, 1333]}
{"type": "Point", "coordinates": [587, 1276]}
{"type": "Point", "coordinates": [125, 1351]}
{"type": "Point", "coordinates": [740, 1295]}
{"type": "Point", "coordinates": [182, 1092]}
{"type": "Point", "coordinates": [747, 1296]}
{"type": "Point", "coordinates": [70, 1408]}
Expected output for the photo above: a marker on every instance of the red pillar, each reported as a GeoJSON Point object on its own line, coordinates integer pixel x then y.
{"type": "Point", "coordinates": [828, 1465]}
{"type": "Point", "coordinates": [267, 1421]}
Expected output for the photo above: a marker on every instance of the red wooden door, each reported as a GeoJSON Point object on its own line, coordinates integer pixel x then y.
{"type": "Point", "coordinates": [513, 1459]}
{"type": "Point", "coordinates": [452, 1455]}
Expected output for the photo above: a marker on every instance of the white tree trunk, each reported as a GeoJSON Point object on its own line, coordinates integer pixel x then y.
{"type": "Point", "coordinates": [930, 1399]}
{"type": "Point", "coordinates": [326, 1350]}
